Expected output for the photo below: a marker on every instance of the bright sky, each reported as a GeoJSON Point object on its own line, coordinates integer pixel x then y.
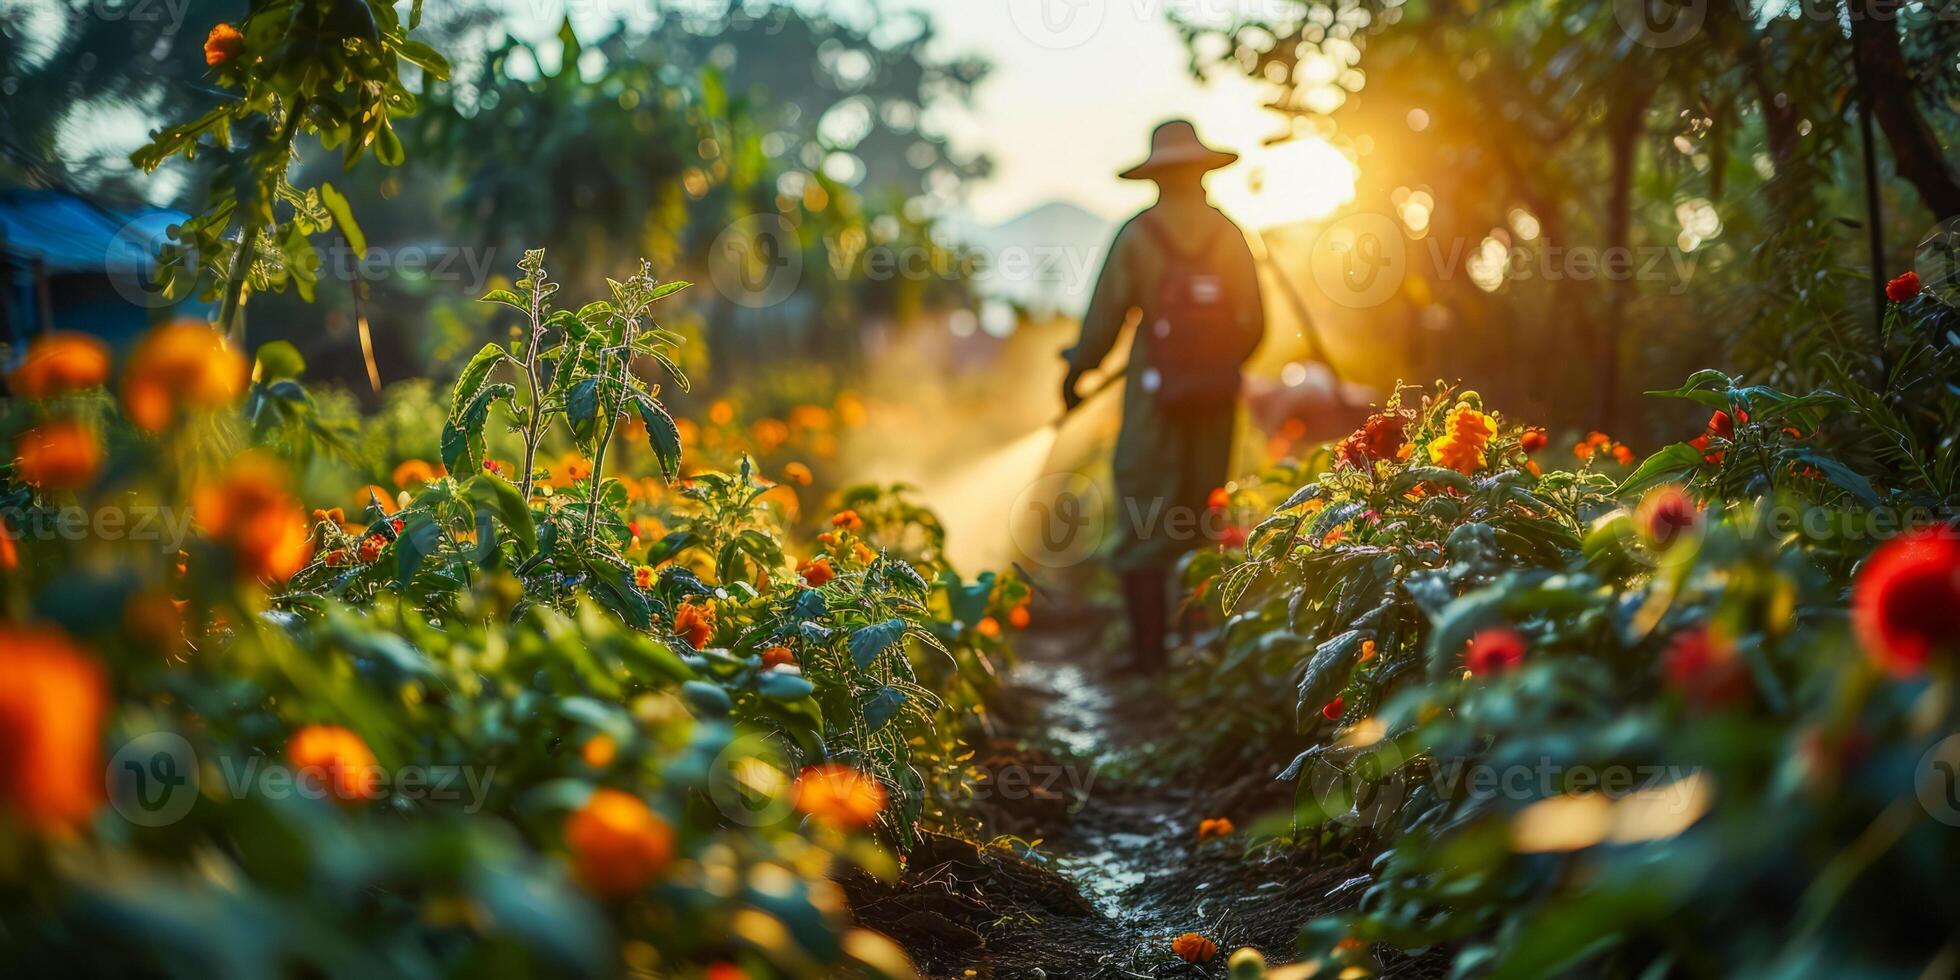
{"type": "Point", "coordinates": [1077, 86]}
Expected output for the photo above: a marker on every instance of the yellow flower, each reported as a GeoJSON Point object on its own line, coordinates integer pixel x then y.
{"type": "Point", "coordinates": [1461, 447]}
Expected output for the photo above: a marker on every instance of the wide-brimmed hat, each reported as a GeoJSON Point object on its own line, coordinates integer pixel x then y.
{"type": "Point", "coordinates": [1175, 144]}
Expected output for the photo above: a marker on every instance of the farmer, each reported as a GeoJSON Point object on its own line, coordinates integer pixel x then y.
{"type": "Point", "coordinates": [1182, 273]}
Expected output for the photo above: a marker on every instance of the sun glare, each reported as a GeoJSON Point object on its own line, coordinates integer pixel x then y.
{"type": "Point", "coordinates": [1302, 179]}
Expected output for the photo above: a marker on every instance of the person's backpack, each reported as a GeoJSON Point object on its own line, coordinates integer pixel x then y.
{"type": "Point", "coordinates": [1192, 330]}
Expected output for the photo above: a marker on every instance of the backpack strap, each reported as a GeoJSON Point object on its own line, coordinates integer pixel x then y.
{"type": "Point", "coordinates": [1168, 245]}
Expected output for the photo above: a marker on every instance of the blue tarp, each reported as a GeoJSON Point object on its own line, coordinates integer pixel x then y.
{"type": "Point", "coordinates": [97, 263]}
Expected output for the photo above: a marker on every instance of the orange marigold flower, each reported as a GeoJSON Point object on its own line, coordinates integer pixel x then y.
{"type": "Point", "coordinates": [643, 577]}
{"type": "Point", "coordinates": [222, 45]}
{"type": "Point", "coordinates": [863, 553]}
{"type": "Point", "coordinates": [330, 515]}
{"type": "Point", "coordinates": [1367, 650]}
{"type": "Point", "coordinates": [577, 468]}
{"type": "Point", "coordinates": [333, 761]}
{"type": "Point", "coordinates": [1533, 440]}
{"type": "Point", "coordinates": [1193, 948]}
{"type": "Point", "coordinates": [1461, 446]}
{"type": "Point", "coordinates": [51, 709]}
{"type": "Point", "coordinates": [59, 362]}
{"type": "Point", "coordinates": [988, 627]}
{"type": "Point", "coordinates": [1493, 649]}
{"type": "Point", "coordinates": [838, 796]}
{"type": "Point", "coordinates": [1213, 828]}
{"type": "Point", "coordinates": [721, 412]}
{"type": "Point", "coordinates": [618, 843]}
{"type": "Point", "coordinates": [370, 548]}
{"type": "Point", "coordinates": [1907, 599]}
{"type": "Point", "coordinates": [1019, 617]}
{"type": "Point", "coordinates": [1219, 499]}
{"type": "Point", "coordinates": [847, 519]}
{"type": "Point", "coordinates": [1622, 454]}
{"type": "Point", "coordinates": [335, 558]}
{"type": "Point", "coordinates": [413, 473]}
{"type": "Point", "coordinates": [252, 511]}
{"type": "Point", "coordinates": [59, 455]}
{"type": "Point", "coordinates": [816, 571]}
{"type": "Point", "coordinates": [1903, 288]}
{"type": "Point", "coordinates": [177, 368]}
{"type": "Point", "coordinates": [599, 751]}
{"type": "Point", "coordinates": [798, 474]}
{"type": "Point", "coordinates": [695, 624]}
{"type": "Point", "coordinates": [777, 657]}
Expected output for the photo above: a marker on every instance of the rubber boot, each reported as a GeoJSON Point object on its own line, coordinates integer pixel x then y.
{"type": "Point", "coordinates": [1145, 598]}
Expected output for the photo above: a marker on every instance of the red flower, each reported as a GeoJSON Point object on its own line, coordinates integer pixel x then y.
{"type": "Point", "coordinates": [1219, 499]}
{"type": "Point", "coordinates": [222, 45]}
{"type": "Point", "coordinates": [1232, 536]}
{"type": "Point", "coordinates": [1533, 440]}
{"type": "Point", "coordinates": [1494, 649]}
{"type": "Point", "coordinates": [847, 519]}
{"type": "Point", "coordinates": [1903, 288]}
{"type": "Point", "coordinates": [1907, 600]}
{"type": "Point", "coordinates": [1332, 709]}
{"type": "Point", "coordinates": [1666, 513]}
{"type": "Point", "coordinates": [777, 657]}
{"type": "Point", "coordinates": [1380, 437]}
{"type": "Point", "coordinates": [1703, 666]}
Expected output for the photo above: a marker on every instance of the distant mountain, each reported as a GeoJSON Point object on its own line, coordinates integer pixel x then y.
{"type": "Point", "coordinates": [1045, 258]}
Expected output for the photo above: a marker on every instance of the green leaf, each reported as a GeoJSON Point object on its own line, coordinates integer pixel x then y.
{"type": "Point", "coordinates": [663, 436]}
{"type": "Point", "coordinates": [462, 440]}
{"type": "Point", "coordinates": [277, 361]}
{"type": "Point", "coordinates": [1841, 476]}
{"type": "Point", "coordinates": [492, 493]}
{"type": "Point", "coordinates": [667, 289]}
{"type": "Point", "coordinates": [429, 59]}
{"type": "Point", "coordinates": [779, 685]}
{"type": "Point", "coordinates": [1695, 389]}
{"type": "Point", "coordinates": [474, 374]}
{"type": "Point", "coordinates": [1327, 673]}
{"type": "Point", "coordinates": [882, 708]}
{"type": "Point", "coordinates": [870, 641]}
{"type": "Point", "coordinates": [416, 542]}
{"type": "Point", "coordinates": [343, 218]}
{"type": "Point", "coordinates": [1672, 461]}
{"type": "Point", "coordinates": [707, 698]}
{"type": "Point", "coordinates": [507, 298]}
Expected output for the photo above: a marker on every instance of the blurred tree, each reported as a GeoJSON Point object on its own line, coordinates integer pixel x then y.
{"type": "Point", "coordinates": [1604, 124]}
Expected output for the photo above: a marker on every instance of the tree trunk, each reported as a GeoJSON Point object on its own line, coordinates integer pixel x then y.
{"type": "Point", "coordinates": [1882, 72]}
{"type": "Point", "coordinates": [1625, 122]}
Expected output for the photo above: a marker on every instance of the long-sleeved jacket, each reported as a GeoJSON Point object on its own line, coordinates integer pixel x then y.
{"type": "Point", "coordinates": [1168, 460]}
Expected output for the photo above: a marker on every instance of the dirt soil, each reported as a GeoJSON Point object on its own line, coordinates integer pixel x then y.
{"type": "Point", "coordinates": [1118, 871]}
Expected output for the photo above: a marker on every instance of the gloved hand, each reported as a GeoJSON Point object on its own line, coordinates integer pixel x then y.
{"type": "Point", "coordinates": [1070, 397]}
